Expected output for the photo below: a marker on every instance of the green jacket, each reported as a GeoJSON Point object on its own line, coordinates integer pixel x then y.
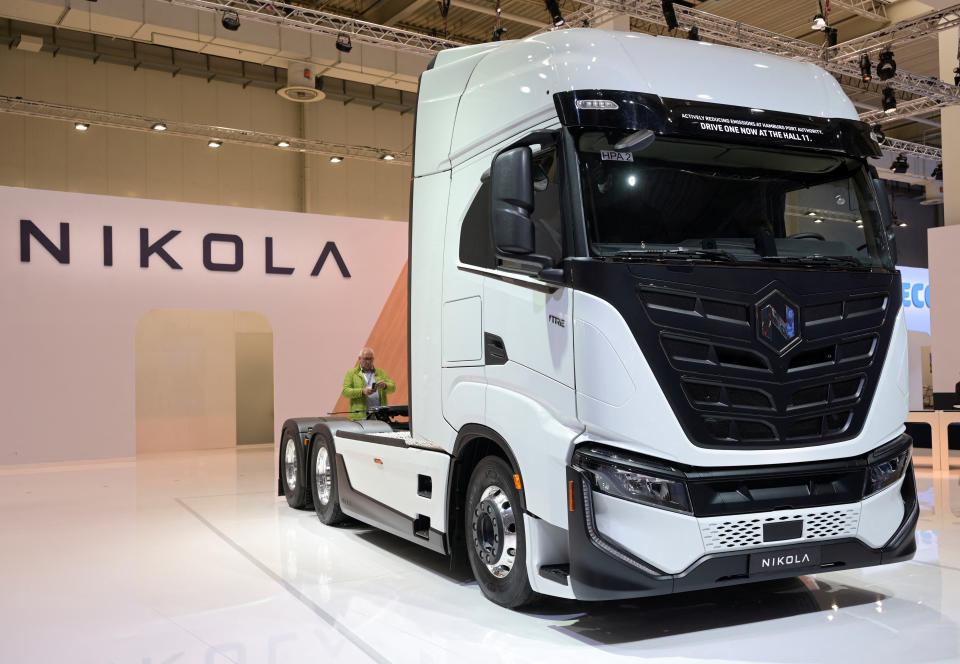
{"type": "Point", "coordinates": [353, 384]}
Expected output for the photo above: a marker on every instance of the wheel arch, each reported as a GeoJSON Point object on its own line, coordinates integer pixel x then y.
{"type": "Point", "coordinates": [473, 443]}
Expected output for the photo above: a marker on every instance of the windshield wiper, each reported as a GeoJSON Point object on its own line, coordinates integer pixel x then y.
{"type": "Point", "coordinates": [817, 259]}
{"type": "Point", "coordinates": [690, 254]}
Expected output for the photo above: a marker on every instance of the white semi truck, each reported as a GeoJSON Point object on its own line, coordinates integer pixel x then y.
{"type": "Point", "coordinates": [656, 336]}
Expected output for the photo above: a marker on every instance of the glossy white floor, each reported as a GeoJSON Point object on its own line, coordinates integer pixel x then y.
{"type": "Point", "coordinates": [191, 558]}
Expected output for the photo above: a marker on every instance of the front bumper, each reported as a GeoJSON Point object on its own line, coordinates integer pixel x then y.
{"type": "Point", "coordinates": [600, 570]}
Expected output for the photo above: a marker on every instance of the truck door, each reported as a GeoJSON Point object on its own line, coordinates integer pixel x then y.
{"type": "Point", "coordinates": [532, 320]}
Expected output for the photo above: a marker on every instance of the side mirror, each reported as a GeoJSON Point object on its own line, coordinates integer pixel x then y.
{"type": "Point", "coordinates": [512, 189]}
{"type": "Point", "coordinates": [887, 217]}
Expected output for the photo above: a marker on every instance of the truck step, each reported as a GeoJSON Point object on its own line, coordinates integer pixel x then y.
{"type": "Point", "coordinates": [558, 573]}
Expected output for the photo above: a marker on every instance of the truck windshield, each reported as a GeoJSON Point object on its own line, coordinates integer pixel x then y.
{"type": "Point", "coordinates": [717, 202]}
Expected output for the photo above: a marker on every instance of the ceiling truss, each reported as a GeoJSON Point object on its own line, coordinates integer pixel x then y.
{"type": "Point", "coordinates": [98, 118]}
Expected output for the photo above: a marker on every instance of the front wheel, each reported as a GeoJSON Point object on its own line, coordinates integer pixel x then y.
{"type": "Point", "coordinates": [495, 536]}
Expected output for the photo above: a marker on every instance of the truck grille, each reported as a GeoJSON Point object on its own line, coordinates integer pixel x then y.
{"type": "Point", "coordinates": [746, 531]}
{"type": "Point", "coordinates": [737, 392]}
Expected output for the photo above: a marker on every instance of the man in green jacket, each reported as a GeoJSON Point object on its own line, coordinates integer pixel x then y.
{"type": "Point", "coordinates": [366, 386]}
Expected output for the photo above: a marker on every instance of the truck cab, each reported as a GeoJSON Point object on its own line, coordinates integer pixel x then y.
{"type": "Point", "coordinates": [656, 337]}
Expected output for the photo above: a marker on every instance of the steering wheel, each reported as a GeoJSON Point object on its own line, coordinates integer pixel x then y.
{"type": "Point", "coordinates": [807, 236]}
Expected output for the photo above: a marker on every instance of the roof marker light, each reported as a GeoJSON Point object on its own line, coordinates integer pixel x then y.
{"type": "Point", "coordinates": [597, 105]}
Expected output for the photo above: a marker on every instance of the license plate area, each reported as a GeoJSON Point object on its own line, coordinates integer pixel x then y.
{"type": "Point", "coordinates": [783, 561]}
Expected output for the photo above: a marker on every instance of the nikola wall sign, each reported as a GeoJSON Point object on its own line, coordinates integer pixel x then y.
{"type": "Point", "coordinates": [155, 249]}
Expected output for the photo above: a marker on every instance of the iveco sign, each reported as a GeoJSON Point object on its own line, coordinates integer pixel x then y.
{"type": "Point", "coordinates": [916, 298]}
{"type": "Point", "coordinates": [778, 322]}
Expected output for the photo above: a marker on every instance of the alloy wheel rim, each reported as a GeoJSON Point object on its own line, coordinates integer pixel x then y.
{"type": "Point", "coordinates": [290, 462]}
{"type": "Point", "coordinates": [494, 530]}
{"type": "Point", "coordinates": [324, 481]}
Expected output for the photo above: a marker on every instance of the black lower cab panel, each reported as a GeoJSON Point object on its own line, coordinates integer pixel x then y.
{"type": "Point", "coordinates": [600, 571]}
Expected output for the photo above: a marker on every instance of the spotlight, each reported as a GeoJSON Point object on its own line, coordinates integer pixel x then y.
{"type": "Point", "coordinates": [819, 22]}
{"type": "Point", "coordinates": [818, 221]}
{"type": "Point", "coordinates": [878, 134]}
{"type": "Point", "coordinates": [902, 224]}
{"type": "Point", "coordinates": [498, 33]}
{"type": "Point", "coordinates": [388, 157]}
{"type": "Point", "coordinates": [343, 43]}
{"type": "Point", "coordinates": [694, 34]}
{"type": "Point", "coordinates": [159, 126]}
{"type": "Point", "coordinates": [889, 99]}
{"type": "Point", "coordinates": [214, 143]}
{"type": "Point", "coordinates": [900, 164]}
{"type": "Point", "coordinates": [554, 8]}
{"type": "Point", "coordinates": [865, 66]}
{"type": "Point", "coordinates": [282, 144]}
{"type": "Point", "coordinates": [669, 15]}
{"type": "Point", "coordinates": [811, 214]}
{"type": "Point", "coordinates": [336, 160]}
{"type": "Point", "coordinates": [937, 173]}
{"type": "Point", "coordinates": [230, 20]}
{"type": "Point", "coordinates": [81, 126]}
{"type": "Point", "coordinates": [887, 66]}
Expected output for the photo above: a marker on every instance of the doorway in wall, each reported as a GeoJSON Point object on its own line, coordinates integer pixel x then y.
{"type": "Point", "coordinates": [204, 379]}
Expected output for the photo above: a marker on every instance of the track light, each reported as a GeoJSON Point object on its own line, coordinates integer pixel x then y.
{"type": "Point", "coordinates": [554, 8]}
{"type": "Point", "coordinates": [388, 157]}
{"type": "Point", "coordinates": [282, 144]}
{"type": "Point", "coordinates": [498, 33]}
{"type": "Point", "coordinates": [336, 160]}
{"type": "Point", "coordinates": [889, 99]}
{"type": "Point", "coordinates": [669, 15]}
{"type": "Point", "coordinates": [900, 164]}
{"type": "Point", "coordinates": [694, 34]}
{"type": "Point", "coordinates": [865, 66]}
{"type": "Point", "coordinates": [887, 66]}
{"type": "Point", "coordinates": [902, 224]}
{"type": "Point", "coordinates": [230, 20]}
{"type": "Point", "coordinates": [81, 126]}
{"type": "Point", "coordinates": [159, 126]}
{"type": "Point", "coordinates": [213, 143]}
{"type": "Point", "coordinates": [878, 133]}
{"type": "Point", "coordinates": [937, 173]}
{"type": "Point", "coordinates": [344, 43]}
{"type": "Point", "coordinates": [819, 22]}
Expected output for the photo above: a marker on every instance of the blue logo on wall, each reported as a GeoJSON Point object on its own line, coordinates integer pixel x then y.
{"type": "Point", "coordinates": [916, 298]}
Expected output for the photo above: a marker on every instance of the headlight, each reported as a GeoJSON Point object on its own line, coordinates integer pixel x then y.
{"type": "Point", "coordinates": [882, 474]}
{"type": "Point", "coordinates": [619, 476]}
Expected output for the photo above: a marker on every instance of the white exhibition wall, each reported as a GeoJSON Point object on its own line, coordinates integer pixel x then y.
{"type": "Point", "coordinates": [944, 247]}
{"type": "Point", "coordinates": [73, 293]}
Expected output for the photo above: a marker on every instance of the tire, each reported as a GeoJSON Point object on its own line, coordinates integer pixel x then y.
{"type": "Point", "coordinates": [323, 480]}
{"type": "Point", "coordinates": [293, 474]}
{"type": "Point", "coordinates": [493, 527]}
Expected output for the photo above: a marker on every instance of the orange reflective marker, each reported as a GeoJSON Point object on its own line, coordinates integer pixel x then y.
{"type": "Point", "coordinates": [304, 440]}
{"type": "Point", "coordinates": [378, 461]}
{"type": "Point", "coordinates": [570, 494]}
{"type": "Point", "coordinates": [516, 482]}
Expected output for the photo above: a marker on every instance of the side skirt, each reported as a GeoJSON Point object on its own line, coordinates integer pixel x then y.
{"type": "Point", "coordinates": [370, 511]}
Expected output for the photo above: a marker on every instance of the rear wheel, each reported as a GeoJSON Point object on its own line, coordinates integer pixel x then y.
{"type": "Point", "coordinates": [326, 499]}
{"type": "Point", "coordinates": [495, 536]}
{"type": "Point", "coordinates": [293, 472]}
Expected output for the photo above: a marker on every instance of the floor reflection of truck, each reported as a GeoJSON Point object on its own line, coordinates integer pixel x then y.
{"type": "Point", "coordinates": [656, 338]}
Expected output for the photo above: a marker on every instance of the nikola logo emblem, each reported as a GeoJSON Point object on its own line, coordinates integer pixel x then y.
{"type": "Point", "coordinates": [778, 322]}
{"type": "Point", "coordinates": [783, 561]}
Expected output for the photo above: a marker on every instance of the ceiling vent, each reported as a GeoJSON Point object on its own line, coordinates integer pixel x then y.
{"type": "Point", "coordinates": [301, 84]}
